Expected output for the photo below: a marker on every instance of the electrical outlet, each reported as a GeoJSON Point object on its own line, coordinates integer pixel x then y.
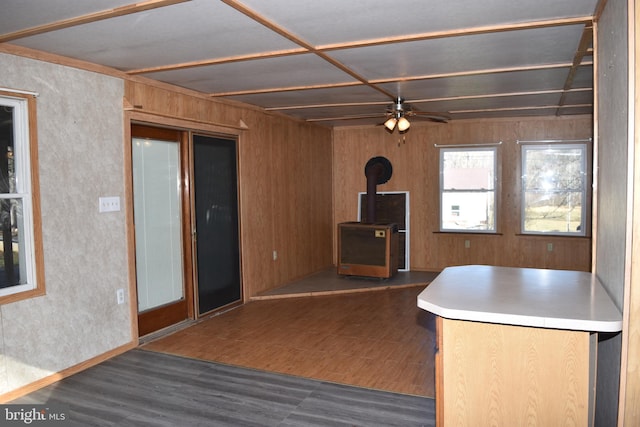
{"type": "Point", "coordinates": [120, 296]}
{"type": "Point", "coordinates": [550, 247]}
{"type": "Point", "coordinates": [275, 255]}
{"type": "Point", "coordinates": [467, 244]}
{"type": "Point", "coordinates": [109, 204]}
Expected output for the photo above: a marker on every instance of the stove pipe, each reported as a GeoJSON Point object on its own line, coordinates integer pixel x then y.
{"type": "Point", "coordinates": [378, 170]}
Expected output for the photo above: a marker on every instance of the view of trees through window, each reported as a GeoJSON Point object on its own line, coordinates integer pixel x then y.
{"type": "Point", "coordinates": [554, 188]}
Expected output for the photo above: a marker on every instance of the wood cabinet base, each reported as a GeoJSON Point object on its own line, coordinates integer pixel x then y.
{"type": "Point", "coordinates": [502, 375]}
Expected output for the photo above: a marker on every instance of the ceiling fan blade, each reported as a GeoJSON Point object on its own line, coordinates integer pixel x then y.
{"type": "Point", "coordinates": [352, 117]}
{"type": "Point", "coordinates": [436, 117]}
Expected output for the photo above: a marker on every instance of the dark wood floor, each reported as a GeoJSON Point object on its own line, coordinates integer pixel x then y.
{"type": "Point", "coordinates": [143, 388]}
{"type": "Point", "coordinates": [327, 335]}
{"type": "Point", "coordinates": [374, 337]}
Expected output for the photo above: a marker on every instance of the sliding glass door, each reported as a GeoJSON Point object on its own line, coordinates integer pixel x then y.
{"type": "Point", "coordinates": [187, 241]}
{"type": "Point", "coordinates": [215, 189]}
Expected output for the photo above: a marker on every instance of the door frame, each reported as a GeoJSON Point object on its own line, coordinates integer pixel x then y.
{"type": "Point", "coordinates": [174, 312]}
{"type": "Point", "coordinates": [139, 117]}
{"type": "Point", "coordinates": [192, 219]}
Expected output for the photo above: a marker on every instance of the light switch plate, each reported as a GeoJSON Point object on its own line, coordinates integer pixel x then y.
{"type": "Point", "coordinates": [109, 204]}
{"type": "Point", "coordinates": [120, 296]}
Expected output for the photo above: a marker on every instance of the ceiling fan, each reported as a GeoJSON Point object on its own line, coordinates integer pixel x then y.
{"type": "Point", "coordinates": [399, 111]}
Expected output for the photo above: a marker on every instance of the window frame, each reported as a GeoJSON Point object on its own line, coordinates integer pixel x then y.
{"type": "Point", "coordinates": [27, 183]}
{"type": "Point", "coordinates": [586, 197]}
{"type": "Point", "coordinates": [494, 190]}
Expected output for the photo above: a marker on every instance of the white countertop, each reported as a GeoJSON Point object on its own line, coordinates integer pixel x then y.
{"type": "Point", "coordinates": [556, 299]}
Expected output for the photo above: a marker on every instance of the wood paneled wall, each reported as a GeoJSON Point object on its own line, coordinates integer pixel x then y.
{"type": "Point", "coordinates": [285, 181]}
{"type": "Point", "coordinates": [415, 162]}
{"type": "Point", "coordinates": [296, 185]}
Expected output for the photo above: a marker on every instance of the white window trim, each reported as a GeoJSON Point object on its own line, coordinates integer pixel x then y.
{"type": "Point", "coordinates": [459, 148]}
{"type": "Point", "coordinates": [583, 216]}
{"type": "Point", "coordinates": [22, 164]}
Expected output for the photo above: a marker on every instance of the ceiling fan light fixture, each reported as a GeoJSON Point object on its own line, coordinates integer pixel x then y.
{"type": "Point", "coordinates": [403, 124]}
{"type": "Point", "coordinates": [391, 124]}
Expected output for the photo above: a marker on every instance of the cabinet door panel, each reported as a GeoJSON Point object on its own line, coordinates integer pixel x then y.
{"type": "Point", "coordinates": [512, 375]}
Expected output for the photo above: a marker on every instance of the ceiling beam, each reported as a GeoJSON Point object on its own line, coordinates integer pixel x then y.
{"type": "Point", "coordinates": [422, 101]}
{"type": "Point", "coordinates": [345, 104]}
{"type": "Point", "coordinates": [306, 47]}
{"type": "Point", "coordinates": [218, 61]}
{"type": "Point", "coordinates": [540, 107]}
{"type": "Point", "coordinates": [284, 89]}
{"type": "Point", "coordinates": [91, 17]}
{"type": "Point", "coordinates": [396, 80]}
{"type": "Point", "coordinates": [300, 42]}
{"type": "Point", "coordinates": [499, 95]}
{"type": "Point", "coordinates": [318, 50]}
{"type": "Point", "coordinates": [597, 13]}
{"type": "Point", "coordinates": [459, 32]}
{"type": "Point", "coordinates": [476, 72]}
{"type": "Point", "coordinates": [584, 47]}
{"type": "Point", "coordinates": [486, 110]}
{"type": "Point", "coordinates": [382, 115]}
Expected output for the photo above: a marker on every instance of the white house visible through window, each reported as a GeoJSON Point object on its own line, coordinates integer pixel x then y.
{"type": "Point", "coordinates": [18, 270]}
{"type": "Point", "coordinates": [554, 189]}
{"type": "Point", "coordinates": [468, 189]}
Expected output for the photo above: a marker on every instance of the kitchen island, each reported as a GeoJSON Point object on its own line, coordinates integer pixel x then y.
{"type": "Point", "coordinates": [517, 346]}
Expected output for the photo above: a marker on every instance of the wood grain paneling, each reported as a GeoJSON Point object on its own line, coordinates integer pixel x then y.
{"type": "Point", "coordinates": [415, 162]}
{"type": "Point", "coordinates": [296, 185]}
{"type": "Point", "coordinates": [285, 180]}
{"type": "Point", "coordinates": [503, 375]}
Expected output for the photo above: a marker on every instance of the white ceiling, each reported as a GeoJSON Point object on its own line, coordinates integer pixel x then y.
{"type": "Point", "coordinates": [335, 62]}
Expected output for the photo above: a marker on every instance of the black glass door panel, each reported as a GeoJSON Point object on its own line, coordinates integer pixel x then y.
{"type": "Point", "coordinates": [216, 216]}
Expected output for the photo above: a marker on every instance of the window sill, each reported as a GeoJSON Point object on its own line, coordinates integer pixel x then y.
{"type": "Point", "coordinates": [560, 236]}
{"type": "Point", "coordinates": [469, 233]}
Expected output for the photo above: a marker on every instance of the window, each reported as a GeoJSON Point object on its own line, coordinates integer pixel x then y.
{"type": "Point", "coordinates": [468, 189]}
{"type": "Point", "coordinates": [554, 189]}
{"type": "Point", "coordinates": [20, 236]}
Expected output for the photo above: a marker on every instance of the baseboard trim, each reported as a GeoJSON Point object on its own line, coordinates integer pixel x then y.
{"type": "Point", "coordinates": [334, 292]}
{"type": "Point", "coordinates": [50, 379]}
